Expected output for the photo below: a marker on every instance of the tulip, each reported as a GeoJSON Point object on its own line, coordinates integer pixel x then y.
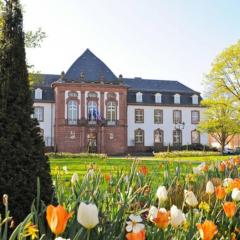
{"type": "Point", "coordinates": [230, 209]}
{"type": "Point", "coordinates": [136, 236]}
{"type": "Point", "coordinates": [190, 198]}
{"type": "Point", "coordinates": [236, 194]}
{"type": "Point", "coordinates": [153, 211]}
{"type": "Point", "coordinates": [221, 167]}
{"type": "Point", "coordinates": [162, 194]}
{"type": "Point", "coordinates": [220, 192]}
{"type": "Point", "coordinates": [135, 224]}
{"type": "Point", "coordinates": [60, 238]}
{"type": "Point", "coordinates": [143, 170]}
{"type": "Point", "coordinates": [209, 188]}
{"type": "Point", "coordinates": [177, 217]}
{"type": "Point", "coordinates": [227, 182]}
{"type": "Point", "coordinates": [235, 183]}
{"type": "Point", "coordinates": [88, 215]}
{"type": "Point", "coordinates": [74, 179]}
{"type": "Point", "coordinates": [207, 230]}
{"type": "Point", "coordinates": [162, 218]}
{"type": "Point", "coordinates": [57, 218]}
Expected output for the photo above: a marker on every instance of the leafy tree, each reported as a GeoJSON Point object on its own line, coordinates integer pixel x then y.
{"type": "Point", "coordinates": [225, 72]}
{"type": "Point", "coordinates": [221, 118]}
{"type": "Point", "coordinates": [22, 158]}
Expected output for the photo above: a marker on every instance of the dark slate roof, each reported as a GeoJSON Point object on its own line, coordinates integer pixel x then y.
{"type": "Point", "coordinates": [167, 98]}
{"type": "Point", "coordinates": [44, 82]}
{"type": "Point", "coordinates": [139, 84]}
{"type": "Point", "coordinates": [92, 68]}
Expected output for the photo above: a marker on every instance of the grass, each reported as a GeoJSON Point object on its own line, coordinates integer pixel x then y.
{"type": "Point", "coordinates": [109, 165]}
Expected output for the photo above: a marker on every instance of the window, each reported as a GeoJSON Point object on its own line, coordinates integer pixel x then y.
{"type": "Point", "coordinates": [195, 136]}
{"type": "Point", "coordinates": [158, 136]}
{"type": "Point", "coordinates": [38, 113]}
{"type": "Point", "coordinates": [158, 98]}
{"type": "Point", "coordinates": [195, 99]}
{"type": "Point", "coordinates": [139, 136]}
{"type": "Point", "coordinates": [195, 115]}
{"type": "Point", "coordinates": [139, 116]}
{"type": "Point", "coordinates": [177, 137]}
{"type": "Point", "coordinates": [177, 116]}
{"type": "Point", "coordinates": [158, 116]}
{"type": "Point", "coordinates": [111, 112]}
{"type": "Point", "coordinates": [38, 93]}
{"type": "Point", "coordinates": [92, 111]}
{"type": "Point", "coordinates": [72, 112]}
{"type": "Point", "coordinates": [177, 99]}
{"type": "Point", "coordinates": [139, 97]}
{"type": "Point", "coordinates": [92, 95]}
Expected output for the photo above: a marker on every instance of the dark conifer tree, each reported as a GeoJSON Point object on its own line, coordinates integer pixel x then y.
{"type": "Point", "coordinates": [22, 157]}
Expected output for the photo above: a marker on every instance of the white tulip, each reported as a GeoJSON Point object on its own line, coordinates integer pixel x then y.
{"type": "Point", "coordinates": [88, 215]}
{"type": "Point", "coordinates": [190, 198]}
{"type": "Point", "coordinates": [177, 217]}
{"type": "Point", "coordinates": [60, 238]}
{"type": "Point", "coordinates": [75, 178]}
{"type": "Point", "coordinates": [236, 194]}
{"type": "Point", "coordinates": [165, 174]}
{"type": "Point", "coordinates": [199, 169]}
{"type": "Point", "coordinates": [162, 193]}
{"type": "Point", "coordinates": [153, 212]}
{"type": "Point", "coordinates": [227, 181]}
{"type": "Point", "coordinates": [209, 188]}
{"type": "Point", "coordinates": [90, 173]}
{"type": "Point", "coordinates": [65, 169]}
{"type": "Point", "coordinates": [135, 224]}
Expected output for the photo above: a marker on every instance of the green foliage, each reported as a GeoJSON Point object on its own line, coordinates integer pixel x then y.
{"type": "Point", "coordinates": [22, 157]}
{"type": "Point", "coordinates": [187, 153]}
{"type": "Point", "coordinates": [33, 39]}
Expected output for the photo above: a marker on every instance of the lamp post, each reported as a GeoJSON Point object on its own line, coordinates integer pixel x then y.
{"type": "Point", "coordinates": [178, 127]}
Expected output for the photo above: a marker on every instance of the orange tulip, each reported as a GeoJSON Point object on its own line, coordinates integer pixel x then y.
{"type": "Point", "coordinates": [107, 178]}
{"type": "Point", "coordinates": [221, 167]}
{"type": "Point", "coordinates": [136, 236]}
{"type": "Point", "coordinates": [57, 218]}
{"type": "Point", "coordinates": [162, 219]}
{"type": "Point", "coordinates": [230, 209]}
{"type": "Point", "coordinates": [143, 170]}
{"type": "Point", "coordinates": [207, 230]}
{"type": "Point", "coordinates": [220, 192]}
{"type": "Point", "coordinates": [235, 183]}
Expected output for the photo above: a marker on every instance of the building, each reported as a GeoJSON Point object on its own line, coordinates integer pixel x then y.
{"type": "Point", "coordinates": [90, 109]}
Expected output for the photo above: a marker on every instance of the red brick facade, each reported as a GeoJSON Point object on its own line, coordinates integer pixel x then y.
{"type": "Point", "coordinates": [75, 138]}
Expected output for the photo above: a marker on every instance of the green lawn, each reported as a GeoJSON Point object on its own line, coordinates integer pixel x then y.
{"type": "Point", "coordinates": [114, 164]}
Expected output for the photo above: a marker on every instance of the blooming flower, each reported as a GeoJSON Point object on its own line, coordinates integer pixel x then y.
{"type": "Point", "coordinates": [190, 198]}
{"type": "Point", "coordinates": [235, 183]}
{"type": "Point", "coordinates": [88, 215]}
{"type": "Point", "coordinates": [162, 193]}
{"type": "Point", "coordinates": [236, 194]}
{"type": "Point", "coordinates": [143, 170]}
{"type": "Point", "coordinates": [107, 178]}
{"type": "Point", "coordinates": [177, 217]}
{"type": "Point", "coordinates": [161, 218]}
{"type": "Point", "coordinates": [200, 168]}
{"type": "Point", "coordinates": [230, 208]}
{"type": "Point", "coordinates": [227, 182]}
{"type": "Point", "coordinates": [221, 167]}
{"type": "Point", "coordinates": [74, 179]}
{"type": "Point", "coordinates": [60, 238]}
{"type": "Point", "coordinates": [204, 206]}
{"type": "Point", "coordinates": [65, 169]}
{"type": "Point", "coordinates": [30, 230]}
{"type": "Point", "coordinates": [57, 218]}
{"type": "Point", "coordinates": [135, 224]}
{"type": "Point", "coordinates": [209, 188]}
{"type": "Point", "coordinates": [136, 236]}
{"type": "Point", "coordinates": [220, 192]}
{"type": "Point", "coordinates": [207, 230]}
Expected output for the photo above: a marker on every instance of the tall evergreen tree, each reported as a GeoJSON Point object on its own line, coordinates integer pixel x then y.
{"type": "Point", "coordinates": [22, 158]}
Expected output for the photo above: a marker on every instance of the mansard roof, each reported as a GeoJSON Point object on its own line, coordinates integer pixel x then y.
{"type": "Point", "coordinates": [89, 68]}
{"type": "Point", "coordinates": [150, 85]}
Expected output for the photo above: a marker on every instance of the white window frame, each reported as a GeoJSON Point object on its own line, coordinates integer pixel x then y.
{"type": "Point", "coordinates": [39, 113]}
{"type": "Point", "coordinates": [158, 98]}
{"type": "Point", "coordinates": [139, 97]}
{"type": "Point", "coordinates": [195, 99]}
{"type": "Point", "coordinates": [177, 98]}
{"type": "Point", "coordinates": [111, 113]}
{"type": "Point", "coordinates": [38, 93]}
{"type": "Point", "coordinates": [72, 112]}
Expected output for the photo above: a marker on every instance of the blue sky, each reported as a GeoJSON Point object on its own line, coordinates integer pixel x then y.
{"type": "Point", "coordinates": [155, 39]}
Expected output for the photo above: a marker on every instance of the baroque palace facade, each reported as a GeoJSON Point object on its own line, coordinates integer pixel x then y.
{"type": "Point", "coordinates": [90, 109]}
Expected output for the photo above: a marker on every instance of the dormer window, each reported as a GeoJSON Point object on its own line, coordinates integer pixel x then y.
{"type": "Point", "coordinates": [139, 97]}
{"type": "Point", "coordinates": [38, 93]}
{"type": "Point", "coordinates": [194, 99]}
{"type": "Point", "coordinates": [158, 98]}
{"type": "Point", "coordinates": [177, 98]}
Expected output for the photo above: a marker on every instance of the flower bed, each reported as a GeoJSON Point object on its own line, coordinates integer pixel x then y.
{"type": "Point", "coordinates": [125, 205]}
{"type": "Point", "coordinates": [185, 154]}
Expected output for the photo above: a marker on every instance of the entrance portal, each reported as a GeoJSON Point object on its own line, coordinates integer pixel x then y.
{"type": "Point", "coordinates": [92, 142]}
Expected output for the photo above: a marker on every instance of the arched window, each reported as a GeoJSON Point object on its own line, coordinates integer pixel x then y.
{"type": "Point", "coordinates": [177, 137]}
{"type": "Point", "coordinates": [195, 136]}
{"type": "Point", "coordinates": [72, 112]}
{"type": "Point", "coordinates": [158, 136]}
{"type": "Point", "coordinates": [38, 93]}
{"type": "Point", "coordinates": [92, 111]}
{"type": "Point", "coordinates": [139, 136]}
{"type": "Point", "coordinates": [111, 112]}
